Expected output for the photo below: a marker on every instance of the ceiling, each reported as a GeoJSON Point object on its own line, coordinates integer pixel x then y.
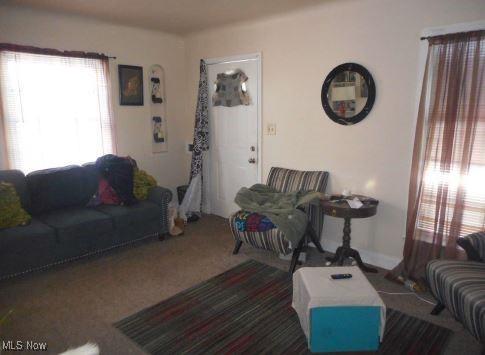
{"type": "Point", "coordinates": [175, 16]}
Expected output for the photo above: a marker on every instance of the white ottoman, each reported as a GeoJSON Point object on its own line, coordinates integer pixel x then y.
{"type": "Point", "coordinates": [338, 315]}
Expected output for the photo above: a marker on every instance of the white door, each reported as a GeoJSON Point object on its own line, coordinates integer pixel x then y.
{"type": "Point", "coordinates": [234, 131]}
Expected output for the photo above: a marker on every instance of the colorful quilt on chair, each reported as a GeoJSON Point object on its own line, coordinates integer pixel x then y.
{"type": "Point", "coordinates": [253, 222]}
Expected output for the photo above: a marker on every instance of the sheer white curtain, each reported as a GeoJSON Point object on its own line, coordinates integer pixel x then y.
{"type": "Point", "coordinates": [55, 110]}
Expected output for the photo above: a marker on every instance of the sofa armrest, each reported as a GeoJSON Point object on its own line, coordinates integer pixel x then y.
{"type": "Point", "coordinates": [474, 245]}
{"type": "Point", "coordinates": [159, 195]}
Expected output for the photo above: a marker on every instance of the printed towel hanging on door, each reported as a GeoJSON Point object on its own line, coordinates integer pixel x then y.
{"type": "Point", "coordinates": [230, 89]}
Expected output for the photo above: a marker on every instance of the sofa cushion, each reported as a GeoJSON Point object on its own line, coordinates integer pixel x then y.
{"type": "Point", "coordinates": [132, 222]}
{"type": "Point", "coordinates": [80, 230]}
{"type": "Point", "coordinates": [26, 247]}
{"type": "Point", "coordinates": [131, 215]}
{"type": "Point", "coordinates": [17, 179]}
{"type": "Point", "coordinates": [70, 186]}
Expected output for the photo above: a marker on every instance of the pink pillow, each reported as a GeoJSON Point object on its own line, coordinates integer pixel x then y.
{"type": "Point", "coordinates": [106, 193]}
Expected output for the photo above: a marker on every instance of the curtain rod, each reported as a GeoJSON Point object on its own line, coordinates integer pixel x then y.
{"type": "Point", "coordinates": [232, 61]}
{"type": "Point", "coordinates": [450, 34]}
{"type": "Point", "coordinates": [49, 51]}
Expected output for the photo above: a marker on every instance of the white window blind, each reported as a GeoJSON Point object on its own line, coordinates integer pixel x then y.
{"type": "Point", "coordinates": [434, 179]}
{"type": "Point", "coordinates": [56, 110]}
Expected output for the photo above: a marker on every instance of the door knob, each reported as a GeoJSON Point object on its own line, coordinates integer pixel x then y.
{"type": "Point", "coordinates": [252, 161]}
{"type": "Point", "coordinates": [252, 148]}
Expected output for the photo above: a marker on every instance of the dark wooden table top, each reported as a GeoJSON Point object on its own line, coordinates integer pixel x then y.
{"type": "Point", "coordinates": [335, 206]}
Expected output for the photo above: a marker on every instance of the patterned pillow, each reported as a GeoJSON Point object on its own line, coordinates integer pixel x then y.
{"type": "Point", "coordinates": [11, 212]}
{"type": "Point", "coordinates": [105, 195]}
{"type": "Point", "coordinates": [142, 182]}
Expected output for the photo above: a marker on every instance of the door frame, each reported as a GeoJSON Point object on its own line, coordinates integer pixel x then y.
{"type": "Point", "coordinates": [207, 171]}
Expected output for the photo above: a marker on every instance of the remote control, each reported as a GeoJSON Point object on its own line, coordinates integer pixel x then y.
{"type": "Point", "coordinates": [341, 276]}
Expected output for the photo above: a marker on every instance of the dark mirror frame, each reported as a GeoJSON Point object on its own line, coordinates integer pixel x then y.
{"type": "Point", "coordinates": [370, 98]}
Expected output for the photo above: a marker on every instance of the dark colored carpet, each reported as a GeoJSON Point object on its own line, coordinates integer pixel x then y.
{"type": "Point", "coordinates": [248, 310]}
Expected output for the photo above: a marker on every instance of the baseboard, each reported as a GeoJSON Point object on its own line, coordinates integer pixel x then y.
{"type": "Point", "coordinates": [369, 257]}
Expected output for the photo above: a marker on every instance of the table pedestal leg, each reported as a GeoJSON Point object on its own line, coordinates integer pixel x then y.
{"type": "Point", "coordinates": [345, 251]}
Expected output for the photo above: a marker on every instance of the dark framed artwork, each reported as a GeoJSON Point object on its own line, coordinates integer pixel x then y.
{"type": "Point", "coordinates": [131, 85]}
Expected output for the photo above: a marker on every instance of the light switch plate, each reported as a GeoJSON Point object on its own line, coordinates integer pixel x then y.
{"type": "Point", "coordinates": [271, 129]}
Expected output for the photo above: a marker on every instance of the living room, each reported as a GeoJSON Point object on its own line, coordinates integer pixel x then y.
{"type": "Point", "coordinates": [157, 94]}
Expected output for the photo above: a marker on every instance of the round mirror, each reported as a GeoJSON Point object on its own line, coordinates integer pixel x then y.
{"type": "Point", "coordinates": [348, 93]}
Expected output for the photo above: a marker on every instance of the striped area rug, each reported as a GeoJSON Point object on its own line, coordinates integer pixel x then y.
{"type": "Point", "coordinates": [248, 310]}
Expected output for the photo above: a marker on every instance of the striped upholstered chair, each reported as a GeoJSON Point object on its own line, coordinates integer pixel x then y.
{"type": "Point", "coordinates": [459, 286]}
{"type": "Point", "coordinates": [287, 180]}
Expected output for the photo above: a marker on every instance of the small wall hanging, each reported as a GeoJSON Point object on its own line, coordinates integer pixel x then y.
{"type": "Point", "coordinates": [156, 92]}
{"type": "Point", "coordinates": [159, 130]}
{"type": "Point", "coordinates": [131, 85]}
{"type": "Point", "coordinates": [231, 89]}
{"type": "Point", "coordinates": [158, 109]}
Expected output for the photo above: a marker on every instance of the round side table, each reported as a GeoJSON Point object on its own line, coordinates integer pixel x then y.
{"type": "Point", "coordinates": [341, 209]}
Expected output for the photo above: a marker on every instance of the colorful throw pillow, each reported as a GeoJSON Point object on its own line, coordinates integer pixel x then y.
{"type": "Point", "coordinates": [11, 212]}
{"type": "Point", "coordinates": [105, 195]}
{"type": "Point", "coordinates": [142, 183]}
{"type": "Point", "coordinates": [242, 220]}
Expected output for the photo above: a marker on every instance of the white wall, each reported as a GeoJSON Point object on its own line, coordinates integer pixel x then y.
{"type": "Point", "coordinates": [131, 46]}
{"type": "Point", "coordinates": [298, 51]}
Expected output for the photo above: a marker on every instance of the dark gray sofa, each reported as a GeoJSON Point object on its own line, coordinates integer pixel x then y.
{"type": "Point", "coordinates": [63, 228]}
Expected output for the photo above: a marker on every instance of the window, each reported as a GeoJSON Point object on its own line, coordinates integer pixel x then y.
{"type": "Point", "coordinates": [56, 110]}
{"type": "Point", "coordinates": [473, 184]}
{"type": "Point", "coordinates": [455, 155]}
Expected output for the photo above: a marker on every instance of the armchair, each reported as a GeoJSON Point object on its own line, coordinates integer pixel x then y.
{"type": "Point", "coordinates": [459, 286]}
{"type": "Point", "coordinates": [287, 180]}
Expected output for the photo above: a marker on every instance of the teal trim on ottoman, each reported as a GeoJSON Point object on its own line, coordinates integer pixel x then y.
{"type": "Point", "coordinates": [344, 328]}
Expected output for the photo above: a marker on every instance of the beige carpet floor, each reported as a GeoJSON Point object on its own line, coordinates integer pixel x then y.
{"type": "Point", "coordinates": [74, 303]}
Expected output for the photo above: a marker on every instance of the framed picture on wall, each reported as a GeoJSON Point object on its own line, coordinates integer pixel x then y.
{"type": "Point", "coordinates": [131, 85]}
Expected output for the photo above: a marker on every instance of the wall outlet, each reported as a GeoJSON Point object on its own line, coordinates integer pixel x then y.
{"type": "Point", "coordinates": [271, 129]}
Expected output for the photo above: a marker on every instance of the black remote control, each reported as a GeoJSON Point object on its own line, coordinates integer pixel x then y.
{"type": "Point", "coordinates": [341, 276]}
